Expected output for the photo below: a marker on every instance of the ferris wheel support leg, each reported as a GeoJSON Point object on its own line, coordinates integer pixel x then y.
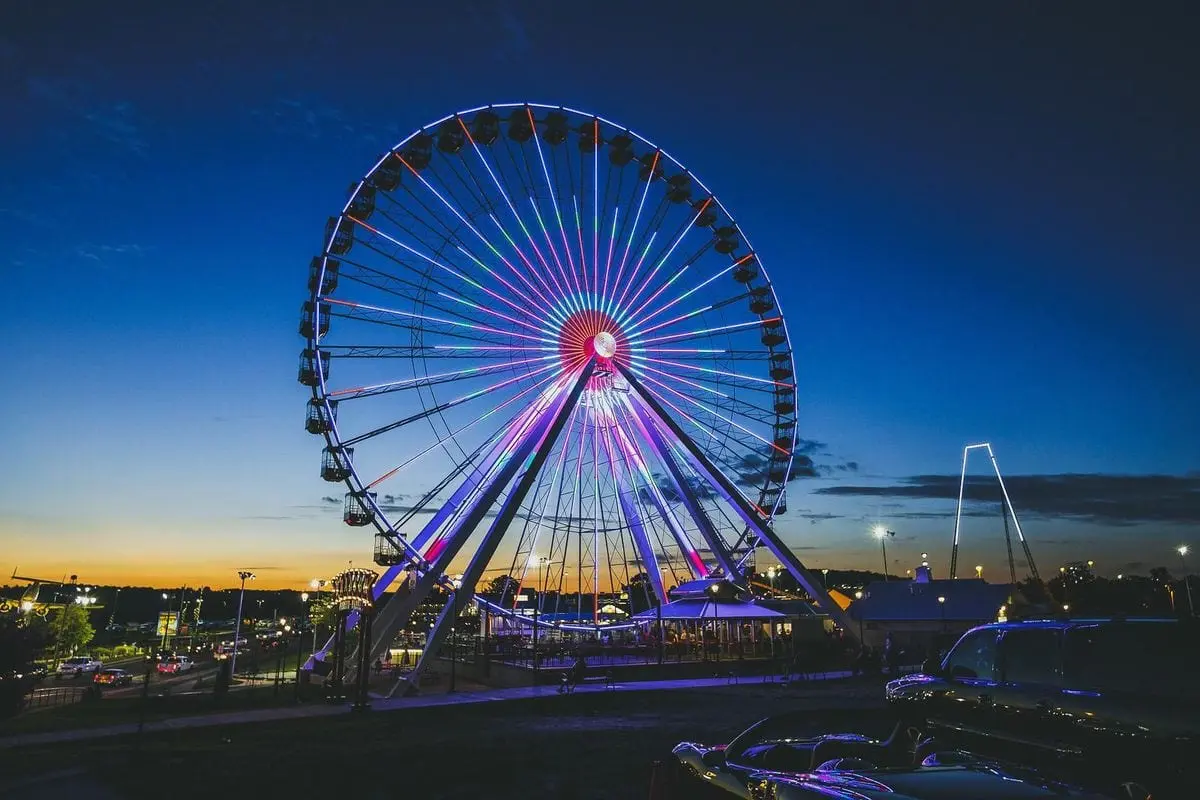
{"type": "Point", "coordinates": [694, 560]}
{"type": "Point", "coordinates": [477, 478]}
{"type": "Point", "coordinates": [641, 538]}
{"type": "Point", "coordinates": [475, 483]}
{"type": "Point", "coordinates": [740, 504]}
{"type": "Point", "coordinates": [395, 614]}
{"type": "Point", "coordinates": [504, 517]}
{"type": "Point", "coordinates": [713, 539]}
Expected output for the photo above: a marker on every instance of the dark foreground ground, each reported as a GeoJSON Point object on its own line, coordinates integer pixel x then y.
{"type": "Point", "coordinates": [594, 745]}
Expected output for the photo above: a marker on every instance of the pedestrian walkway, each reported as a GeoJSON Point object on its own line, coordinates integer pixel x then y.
{"type": "Point", "coordinates": [378, 705]}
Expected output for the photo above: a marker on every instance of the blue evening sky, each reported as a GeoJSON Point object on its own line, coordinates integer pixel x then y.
{"type": "Point", "coordinates": [981, 219]}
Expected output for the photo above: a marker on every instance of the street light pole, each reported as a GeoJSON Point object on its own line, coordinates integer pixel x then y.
{"type": "Point", "coordinates": [237, 625]}
{"type": "Point", "coordinates": [166, 621]}
{"type": "Point", "coordinates": [456, 583]}
{"type": "Point", "coordinates": [883, 533]}
{"type": "Point", "coordinates": [1183, 551]}
{"type": "Point", "coordinates": [316, 584]}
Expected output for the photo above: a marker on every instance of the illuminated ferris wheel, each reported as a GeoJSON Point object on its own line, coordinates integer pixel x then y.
{"type": "Point", "coordinates": [540, 347]}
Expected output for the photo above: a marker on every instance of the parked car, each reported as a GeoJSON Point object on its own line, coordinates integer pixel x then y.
{"type": "Point", "coordinates": [779, 745]}
{"type": "Point", "coordinates": [113, 677]}
{"type": "Point", "coordinates": [1111, 703]}
{"type": "Point", "coordinates": [79, 665]}
{"type": "Point", "coordinates": [965, 780]}
{"type": "Point", "coordinates": [766, 762]}
{"type": "Point", "coordinates": [175, 665]}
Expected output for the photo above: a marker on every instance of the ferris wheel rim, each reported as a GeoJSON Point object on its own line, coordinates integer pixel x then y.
{"type": "Point", "coordinates": [321, 391]}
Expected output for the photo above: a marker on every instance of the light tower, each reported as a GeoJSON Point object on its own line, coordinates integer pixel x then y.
{"type": "Point", "coordinates": [1007, 512]}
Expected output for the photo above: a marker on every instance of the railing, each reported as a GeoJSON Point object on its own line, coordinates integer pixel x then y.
{"type": "Point", "coordinates": [53, 696]}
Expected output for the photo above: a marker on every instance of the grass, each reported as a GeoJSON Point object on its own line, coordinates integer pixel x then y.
{"type": "Point", "coordinates": [592, 745]}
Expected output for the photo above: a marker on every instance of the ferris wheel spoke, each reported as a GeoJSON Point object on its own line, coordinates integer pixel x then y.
{"type": "Point", "coordinates": [737, 448]}
{"type": "Point", "coordinates": [557, 290]}
{"type": "Point", "coordinates": [635, 317]}
{"type": "Point", "coordinates": [489, 209]}
{"type": "Point", "coordinates": [422, 298]}
{"type": "Point", "coordinates": [715, 387]}
{"type": "Point", "coordinates": [710, 412]}
{"type": "Point", "coordinates": [639, 342]}
{"type": "Point", "coordinates": [431, 380]}
{"type": "Point", "coordinates": [721, 401]}
{"type": "Point", "coordinates": [526, 309]}
{"type": "Point", "coordinates": [670, 303]}
{"type": "Point", "coordinates": [366, 309]}
{"type": "Point", "coordinates": [556, 204]}
{"type": "Point", "coordinates": [706, 354]}
{"type": "Point", "coordinates": [461, 399]}
{"type": "Point", "coordinates": [454, 435]}
{"type": "Point", "coordinates": [486, 242]}
{"type": "Point", "coordinates": [659, 261]}
{"type": "Point", "coordinates": [750, 380]}
{"type": "Point", "coordinates": [633, 229]}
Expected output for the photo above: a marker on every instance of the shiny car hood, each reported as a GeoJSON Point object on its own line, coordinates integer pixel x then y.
{"type": "Point", "coordinates": [919, 783]}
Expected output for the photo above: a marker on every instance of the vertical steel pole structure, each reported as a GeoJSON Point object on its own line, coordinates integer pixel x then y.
{"type": "Point", "coordinates": [962, 483]}
{"type": "Point", "coordinates": [237, 626]}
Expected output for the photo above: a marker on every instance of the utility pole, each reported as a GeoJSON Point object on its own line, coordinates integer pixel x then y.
{"type": "Point", "coordinates": [237, 627]}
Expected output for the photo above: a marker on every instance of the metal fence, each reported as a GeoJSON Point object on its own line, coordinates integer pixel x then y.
{"type": "Point", "coordinates": [53, 696]}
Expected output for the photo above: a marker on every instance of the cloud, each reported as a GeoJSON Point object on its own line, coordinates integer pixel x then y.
{"type": "Point", "coordinates": [700, 489]}
{"type": "Point", "coordinates": [754, 468]}
{"type": "Point", "coordinates": [104, 254]}
{"type": "Point", "coordinates": [1098, 498]}
{"type": "Point", "coordinates": [114, 121]}
{"type": "Point", "coordinates": [310, 117]}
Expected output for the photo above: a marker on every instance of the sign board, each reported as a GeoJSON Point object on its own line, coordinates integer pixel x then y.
{"type": "Point", "coordinates": [168, 623]}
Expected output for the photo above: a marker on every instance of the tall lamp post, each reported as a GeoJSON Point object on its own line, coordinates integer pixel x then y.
{"type": "Point", "coordinates": [245, 575]}
{"type": "Point", "coordinates": [882, 533]}
{"type": "Point", "coordinates": [300, 640]}
{"type": "Point", "coordinates": [317, 585]}
{"type": "Point", "coordinates": [457, 584]}
{"type": "Point", "coordinates": [771, 578]}
{"type": "Point", "coordinates": [166, 621]}
{"type": "Point", "coordinates": [1183, 551]}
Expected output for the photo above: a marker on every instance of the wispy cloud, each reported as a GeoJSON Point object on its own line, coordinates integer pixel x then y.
{"type": "Point", "coordinates": [107, 254]}
{"type": "Point", "coordinates": [1098, 498]}
{"type": "Point", "coordinates": [113, 120]}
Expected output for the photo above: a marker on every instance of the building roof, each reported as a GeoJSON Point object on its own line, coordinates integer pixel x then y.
{"type": "Point", "coordinates": [704, 608]}
{"type": "Point", "coordinates": [966, 600]}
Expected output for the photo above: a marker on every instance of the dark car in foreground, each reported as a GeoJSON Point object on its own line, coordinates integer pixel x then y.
{"type": "Point", "coordinates": [972, 780]}
{"type": "Point", "coordinates": [1110, 703]}
{"type": "Point", "coordinates": [113, 677]}
{"type": "Point", "coordinates": [767, 763]}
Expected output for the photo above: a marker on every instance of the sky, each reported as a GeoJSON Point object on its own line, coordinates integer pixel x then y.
{"type": "Point", "coordinates": [980, 221]}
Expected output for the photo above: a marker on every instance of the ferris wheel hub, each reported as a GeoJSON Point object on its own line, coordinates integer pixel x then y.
{"type": "Point", "coordinates": [605, 344]}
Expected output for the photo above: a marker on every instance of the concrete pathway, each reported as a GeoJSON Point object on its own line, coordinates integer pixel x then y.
{"type": "Point", "coordinates": [377, 705]}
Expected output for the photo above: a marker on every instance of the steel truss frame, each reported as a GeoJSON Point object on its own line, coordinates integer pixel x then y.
{"type": "Point", "coordinates": [530, 443]}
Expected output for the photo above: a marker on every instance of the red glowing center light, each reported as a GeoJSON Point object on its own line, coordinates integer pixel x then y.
{"type": "Point", "coordinates": [590, 333]}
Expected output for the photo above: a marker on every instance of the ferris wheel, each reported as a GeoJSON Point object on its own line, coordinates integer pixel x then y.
{"type": "Point", "coordinates": [544, 356]}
